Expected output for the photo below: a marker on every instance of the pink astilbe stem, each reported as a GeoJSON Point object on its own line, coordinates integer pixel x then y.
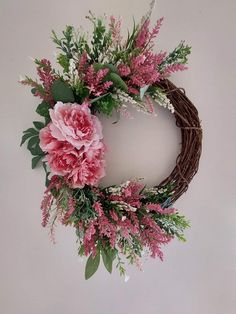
{"type": "Point", "coordinates": [172, 69]}
{"type": "Point", "coordinates": [115, 27]}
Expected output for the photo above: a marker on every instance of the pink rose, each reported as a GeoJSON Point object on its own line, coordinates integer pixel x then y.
{"type": "Point", "coordinates": [74, 123]}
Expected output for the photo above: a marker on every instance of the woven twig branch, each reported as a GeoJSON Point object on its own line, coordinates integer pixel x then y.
{"type": "Point", "coordinates": [187, 120]}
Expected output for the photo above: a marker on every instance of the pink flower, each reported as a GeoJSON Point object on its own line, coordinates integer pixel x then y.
{"type": "Point", "coordinates": [123, 69]}
{"type": "Point", "coordinates": [98, 207]}
{"type": "Point", "coordinates": [64, 159]}
{"type": "Point", "coordinates": [173, 68]}
{"type": "Point", "coordinates": [156, 29]}
{"type": "Point", "coordinates": [159, 209]}
{"type": "Point", "coordinates": [47, 141]}
{"type": "Point", "coordinates": [74, 124]}
{"type": "Point", "coordinates": [95, 81]}
{"type": "Point", "coordinates": [115, 25]}
{"type": "Point", "coordinates": [143, 35]}
{"type": "Point", "coordinates": [78, 167]}
{"type": "Point", "coordinates": [73, 141]}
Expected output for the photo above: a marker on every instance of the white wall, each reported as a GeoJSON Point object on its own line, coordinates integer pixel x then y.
{"type": "Point", "coordinates": [197, 277]}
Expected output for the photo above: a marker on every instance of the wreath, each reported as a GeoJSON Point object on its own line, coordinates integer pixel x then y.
{"type": "Point", "coordinates": [100, 74]}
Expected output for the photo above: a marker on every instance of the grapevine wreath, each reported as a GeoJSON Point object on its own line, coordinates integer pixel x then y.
{"type": "Point", "coordinates": [100, 74]}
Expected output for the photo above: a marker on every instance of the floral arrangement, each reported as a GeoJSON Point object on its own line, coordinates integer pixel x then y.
{"type": "Point", "coordinates": [102, 73]}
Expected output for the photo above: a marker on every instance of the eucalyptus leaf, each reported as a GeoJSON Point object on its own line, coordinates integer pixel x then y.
{"type": "Point", "coordinates": [61, 91]}
{"type": "Point", "coordinates": [92, 265]}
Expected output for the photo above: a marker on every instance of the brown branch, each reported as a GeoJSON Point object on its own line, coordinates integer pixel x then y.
{"type": "Point", "coordinates": [188, 121]}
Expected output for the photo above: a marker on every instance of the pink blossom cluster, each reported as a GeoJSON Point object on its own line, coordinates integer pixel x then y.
{"type": "Point", "coordinates": [129, 193]}
{"type": "Point", "coordinates": [115, 27]}
{"type": "Point", "coordinates": [47, 77]}
{"type": "Point", "coordinates": [94, 81]}
{"type": "Point", "coordinates": [142, 70]}
{"type": "Point", "coordinates": [74, 146]}
{"type": "Point", "coordinates": [115, 226]}
{"type": "Point", "coordinates": [145, 36]}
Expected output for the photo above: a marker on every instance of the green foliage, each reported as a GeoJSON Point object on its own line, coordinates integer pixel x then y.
{"type": "Point", "coordinates": [108, 256]}
{"type": "Point", "coordinates": [62, 91]}
{"type": "Point", "coordinates": [92, 265]}
{"type": "Point", "coordinates": [105, 104]}
{"type": "Point", "coordinates": [132, 36]}
{"type": "Point", "coordinates": [117, 81]}
{"type": "Point", "coordinates": [47, 172]}
{"type": "Point", "coordinates": [111, 67]}
{"type": "Point", "coordinates": [64, 62]}
{"type": "Point", "coordinates": [101, 38]}
{"type": "Point", "coordinates": [32, 136]}
{"type": "Point", "coordinates": [38, 125]}
{"type": "Point", "coordinates": [81, 91]}
{"type": "Point", "coordinates": [65, 43]}
{"type": "Point", "coordinates": [37, 89]}
{"type": "Point", "coordinates": [112, 75]}
{"type": "Point", "coordinates": [162, 195]}
{"type": "Point", "coordinates": [70, 44]}
{"type": "Point", "coordinates": [43, 110]}
{"type": "Point", "coordinates": [174, 225]}
{"type": "Point", "coordinates": [35, 161]}
{"type": "Point", "coordinates": [178, 55]}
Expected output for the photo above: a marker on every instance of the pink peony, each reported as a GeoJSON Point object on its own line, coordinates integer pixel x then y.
{"type": "Point", "coordinates": [47, 141]}
{"type": "Point", "coordinates": [73, 141]}
{"type": "Point", "coordinates": [74, 123]}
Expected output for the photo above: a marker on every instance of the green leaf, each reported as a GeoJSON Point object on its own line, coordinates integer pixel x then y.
{"type": "Point", "coordinates": [108, 257]}
{"type": "Point", "coordinates": [105, 104]}
{"type": "Point", "coordinates": [61, 91]}
{"type": "Point", "coordinates": [31, 131]}
{"type": "Point", "coordinates": [25, 137]}
{"type": "Point", "coordinates": [143, 91]}
{"type": "Point", "coordinates": [33, 146]}
{"type": "Point", "coordinates": [43, 109]}
{"type": "Point", "coordinates": [81, 249]}
{"type": "Point", "coordinates": [47, 181]}
{"type": "Point", "coordinates": [117, 81]}
{"type": "Point", "coordinates": [92, 265]}
{"type": "Point", "coordinates": [35, 161]}
{"type": "Point", "coordinates": [38, 125]}
{"type": "Point", "coordinates": [111, 67]}
{"type": "Point", "coordinates": [33, 141]}
{"type": "Point", "coordinates": [64, 62]}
